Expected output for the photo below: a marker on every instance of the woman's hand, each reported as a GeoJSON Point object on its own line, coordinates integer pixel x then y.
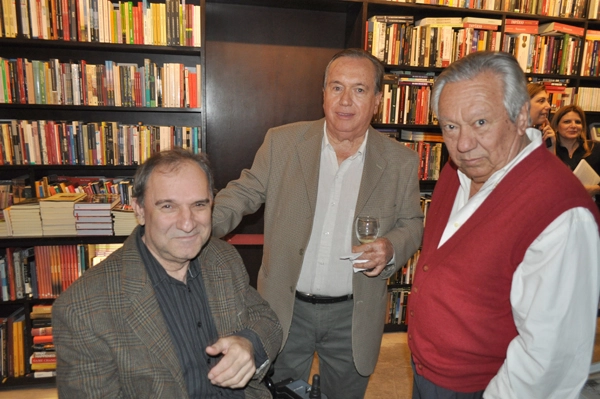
{"type": "Point", "coordinates": [548, 133]}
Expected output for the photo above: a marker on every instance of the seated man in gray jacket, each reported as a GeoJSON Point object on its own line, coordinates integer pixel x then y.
{"type": "Point", "coordinates": [171, 314]}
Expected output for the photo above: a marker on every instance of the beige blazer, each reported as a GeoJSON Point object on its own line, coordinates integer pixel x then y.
{"type": "Point", "coordinates": [284, 176]}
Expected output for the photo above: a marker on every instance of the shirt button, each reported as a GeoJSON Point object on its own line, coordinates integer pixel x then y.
{"type": "Point", "coordinates": [425, 268]}
{"type": "Point", "coordinates": [199, 324]}
{"type": "Point", "coordinates": [456, 224]}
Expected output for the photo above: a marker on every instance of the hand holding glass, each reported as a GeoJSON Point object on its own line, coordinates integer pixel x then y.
{"type": "Point", "coordinates": [367, 229]}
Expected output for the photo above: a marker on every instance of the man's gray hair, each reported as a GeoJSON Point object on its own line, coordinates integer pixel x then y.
{"type": "Point", "coordinates": [501, 64]}
{"type": "Point", "coordinates": [359, 53]}
{"type": "Point", "coordinates": [170, 160]}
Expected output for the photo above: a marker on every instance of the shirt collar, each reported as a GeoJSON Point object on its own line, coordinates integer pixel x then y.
{"type": "Point", "coordinates": [326, 145]}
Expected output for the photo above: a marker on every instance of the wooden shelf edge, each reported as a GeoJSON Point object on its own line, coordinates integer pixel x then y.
{"type": "Point", "coordinates": [245, 239]}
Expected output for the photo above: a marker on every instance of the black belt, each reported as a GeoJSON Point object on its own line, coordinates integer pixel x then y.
{"type": "Point", "coordinates": [322, 299]}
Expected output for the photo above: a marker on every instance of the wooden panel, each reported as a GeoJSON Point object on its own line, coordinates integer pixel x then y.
{"type": "Point", "coordinates": [264, 68]}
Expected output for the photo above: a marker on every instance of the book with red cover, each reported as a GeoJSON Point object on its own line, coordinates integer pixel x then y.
{"type": "Point", "coordinates": [513, 21]}
{"type": "Point", "coordinates": [42, 339]}
{"type": "Point", "coordinates": [558, 28]}
{"type": "Point", "coordinates": [531, 29]}
{"type": "Point", "coordinates": [41, 331]}
{"type": "Point", "coordinates": [10, 275]}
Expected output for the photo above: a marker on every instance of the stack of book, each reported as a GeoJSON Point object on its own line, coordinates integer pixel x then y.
{"type": "Point", "coordinates": [57, 214]}
{"type": "Point", "coordinates": [43, 357]}
{"type": "Point", "coordinates": [3, 227]}
{"type": "Point", "coordinates": [93, 214]}
{"type": "Point", "coordinates": [125, 220]}
{"type": "Point", "coordinates": [24, 218]}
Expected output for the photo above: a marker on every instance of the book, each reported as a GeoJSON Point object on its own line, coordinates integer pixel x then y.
{"type": "Point", "coordinates": [42, 339]}
{"type": "Point", "coordinates": [41, 331]}
{"type": "Point", "coordinates": [98, 201]}
{"type": "Point", "coordinates": [440, 21]}
{"type": "Point", "coordinates": [586, 174]}
{"type": "Point", "coordinates": [557, 28]}
{"type": "Point", "coordinates": [479, 20]}
{"type": "Point", "coordinates": [44, 374]}
{"type": "Point", "coordinates": [513, 21]}
{"type": "Point", "coordinates": [529, 29]}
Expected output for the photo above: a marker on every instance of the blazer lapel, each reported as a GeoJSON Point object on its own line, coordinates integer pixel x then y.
{"type": "Point", "coordinates": [373, 169]}
{"type": "Point", "coordinates": [309, 155]}
{"type": "Point", "coordinates": [219, 291]}
{"type": "Point", "coordinates": [144, 316]}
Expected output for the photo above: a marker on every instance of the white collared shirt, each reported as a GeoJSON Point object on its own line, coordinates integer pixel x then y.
{"type": "Point", "coordinates": [554, 298]}
{"type": "Point", "coordinates": [323, 272]}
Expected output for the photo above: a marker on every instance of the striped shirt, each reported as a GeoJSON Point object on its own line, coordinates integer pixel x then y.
{"type": "Point", "coordinates": [189, 320]}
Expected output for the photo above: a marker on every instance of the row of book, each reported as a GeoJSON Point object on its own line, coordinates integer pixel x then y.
{"type": "Point", "coordinates": [430, 42]}
{"type": "Point", "coordinates": [406, 98]}
{"type": "Point", "coordinates": [405, 275]}
{"type": "Point", "coordinates": [111, 84]}
{"type": "Point", "coordinates": [47, 142]}
{"type": "Point", "coordinates": [437, 41]}
{"type": "Point", "coordinates": [430, 155]}
{"type": "Point", "coordinates": [172, 23]}
{"type": "Point", "coordinates": [12, 341]}
{"type": "Point", "coordinates": [588, 98]}
{"type": "Point", "coordinates": [42, 272]}
{"type": "Point", "coordinates": [591, 61]}
{"type": "Point", "coordinates": [68, 214]}
{"type": "Point", "coordinates": [21, 355]}
{"type": "Point", "coordinates": [549, 8]}
{"type": "Point", "coordinates": [397, 306]}
{"type": "Point", "coordinates": [553, 48]}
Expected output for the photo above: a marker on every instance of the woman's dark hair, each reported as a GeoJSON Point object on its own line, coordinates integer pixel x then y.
{"type": "Point", "coordinates": [558, 115]}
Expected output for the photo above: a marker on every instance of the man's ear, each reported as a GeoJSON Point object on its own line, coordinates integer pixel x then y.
{"type": "Point", "coordinates": [138, 211]}
{"type": "Point", "coordinates": [378, 98]}
{"type": "Point", "coordinates": [522, 121]}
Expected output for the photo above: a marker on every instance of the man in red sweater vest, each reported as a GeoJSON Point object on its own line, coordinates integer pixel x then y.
{"type": "Point", "coordinates": [505, 294]}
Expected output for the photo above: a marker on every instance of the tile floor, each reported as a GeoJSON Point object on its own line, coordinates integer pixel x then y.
{"type": "Point", "coordinates": [392, 378]}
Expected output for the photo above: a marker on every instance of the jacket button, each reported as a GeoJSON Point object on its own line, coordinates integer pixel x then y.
{"type": "Point", "coordinates": [415, 289]}
{"type": "Point", "coordinates": [301, 252]}
{"type": "Point", "coordinates": [425, 268]}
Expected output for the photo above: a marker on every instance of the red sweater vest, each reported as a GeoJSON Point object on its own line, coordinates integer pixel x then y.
{"type": "Point", "coordinates": [460, 314]}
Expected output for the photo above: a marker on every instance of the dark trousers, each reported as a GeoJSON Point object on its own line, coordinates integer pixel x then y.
{"type": "Point", "coordinates": [425, 389]}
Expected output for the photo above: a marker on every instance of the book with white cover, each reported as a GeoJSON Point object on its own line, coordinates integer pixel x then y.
{"type": "Point", "coordinates": [586, 174]}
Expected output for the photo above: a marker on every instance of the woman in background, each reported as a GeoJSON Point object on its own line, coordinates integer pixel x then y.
{"type": "Point", "coordinates": [571, 143]}
{"type": "Point", "coordinates": [539, 113]}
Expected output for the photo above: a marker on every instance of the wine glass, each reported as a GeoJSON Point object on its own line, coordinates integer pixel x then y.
{"type": "Point", "coordinates": [367, 229]}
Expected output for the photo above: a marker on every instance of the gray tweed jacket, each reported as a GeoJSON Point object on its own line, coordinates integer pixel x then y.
{"type": "Point", "coordinates": [112, 340]}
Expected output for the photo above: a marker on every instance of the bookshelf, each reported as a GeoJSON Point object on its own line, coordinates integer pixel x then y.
{"type": "Point", "coordinates": [279, 36]}
{"type": "Point", "coordinates": [262, 66]}
{"type": "Point", "coordinates": [137, 67]}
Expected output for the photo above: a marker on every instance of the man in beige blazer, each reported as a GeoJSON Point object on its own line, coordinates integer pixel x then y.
{"type": "Point", "coordinates": [315, 178]}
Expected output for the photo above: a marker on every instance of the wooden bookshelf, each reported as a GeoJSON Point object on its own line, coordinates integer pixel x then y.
{"type": "Point", "coordinates": [262, 66]}
{"type": "Point", "coordinates": [179, 42]}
